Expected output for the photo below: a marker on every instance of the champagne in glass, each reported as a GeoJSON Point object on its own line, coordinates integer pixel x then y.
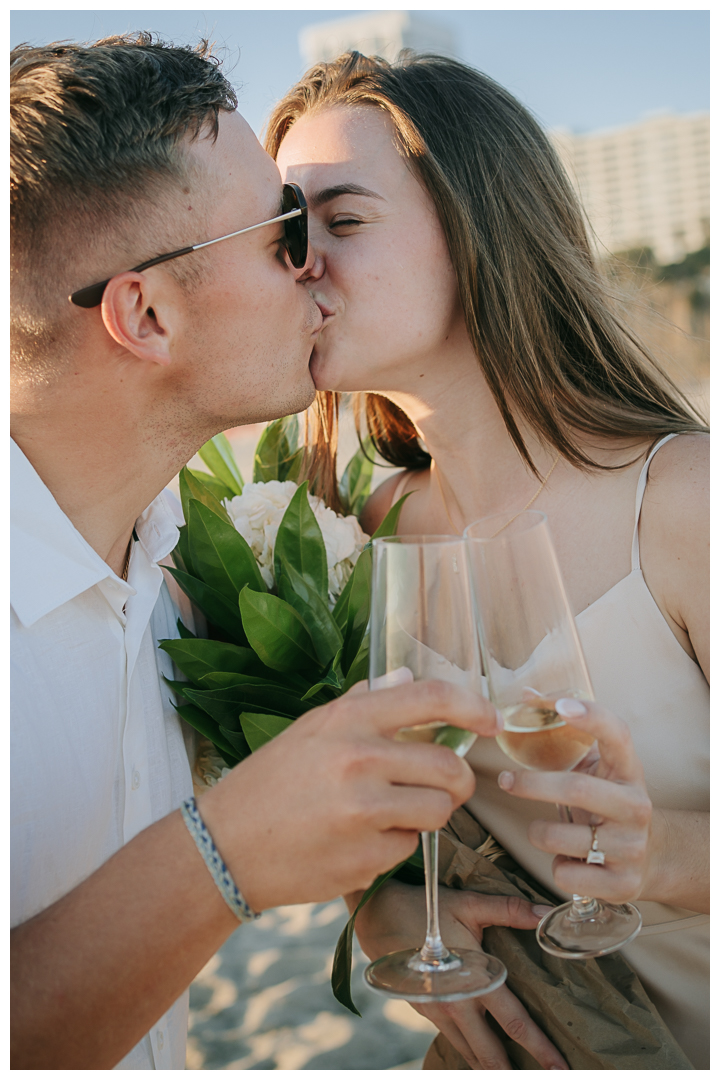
{"type": "Point", "coordinates": [532, 658]}
{"type": "Point", "coordinates": [423, 626]}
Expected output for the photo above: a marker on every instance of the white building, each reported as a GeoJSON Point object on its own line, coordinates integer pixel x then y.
{"type": "Point", "coordinates": [379, 33]}
{"type": "Point", "coordinates": [646, 184]}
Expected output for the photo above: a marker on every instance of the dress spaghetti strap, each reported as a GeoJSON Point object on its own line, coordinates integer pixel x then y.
{"type": "Point", "coordinates": [400, 487]}
{"type": "Point", "coordinates": [642, 484]}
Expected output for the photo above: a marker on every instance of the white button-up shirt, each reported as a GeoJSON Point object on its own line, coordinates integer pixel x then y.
{"type": "Point", "coordinates": [97, 750]}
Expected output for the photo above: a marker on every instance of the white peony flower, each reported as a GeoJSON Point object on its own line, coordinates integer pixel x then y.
{"type": "Point", "coordinates": [257, 513]}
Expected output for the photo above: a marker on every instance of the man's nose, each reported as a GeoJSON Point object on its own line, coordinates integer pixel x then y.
{"type": "Point", "coordinates": [314, 267]}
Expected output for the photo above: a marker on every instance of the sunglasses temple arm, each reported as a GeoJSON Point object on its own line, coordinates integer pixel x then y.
{"type": "Point", "coordinates": [251, 228]}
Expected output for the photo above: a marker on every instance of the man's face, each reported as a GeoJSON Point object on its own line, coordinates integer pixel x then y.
{"type": "Point", "coordinates": [245, 335]}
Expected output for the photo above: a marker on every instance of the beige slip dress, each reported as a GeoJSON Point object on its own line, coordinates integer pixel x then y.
{"type": "Point", "coordinates": [640, 672]}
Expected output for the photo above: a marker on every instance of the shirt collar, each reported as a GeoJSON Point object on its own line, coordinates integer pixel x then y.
{"type": "Point", "coordinates": [51, 562]}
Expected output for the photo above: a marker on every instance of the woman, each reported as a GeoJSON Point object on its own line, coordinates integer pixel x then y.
{"type": "Point", "coordinates": [461, 296]}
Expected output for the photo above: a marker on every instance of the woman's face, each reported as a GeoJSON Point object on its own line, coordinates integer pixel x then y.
{"type": "Point", "coordinates": [383, 277]}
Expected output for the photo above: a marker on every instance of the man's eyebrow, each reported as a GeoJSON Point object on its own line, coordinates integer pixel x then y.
{"type": "Point", "coordinates": [326, 195]}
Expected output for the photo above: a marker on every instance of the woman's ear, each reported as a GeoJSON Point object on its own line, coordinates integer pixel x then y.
{"type": "Point", "coordinates": [133, 320]}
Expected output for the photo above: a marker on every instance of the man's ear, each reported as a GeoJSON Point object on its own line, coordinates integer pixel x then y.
{"type": "Point", "coordinates": [133, 321]}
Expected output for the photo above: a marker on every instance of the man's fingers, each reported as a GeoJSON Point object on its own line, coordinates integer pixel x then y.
{"type": "Point", "coordinates": [516, 1022]}
{"type": "Point", "coordinates": [420, 809]}
{"type": "Point", "coordinates": [429, 766]}
{"type": "Point", "coordinates": [424, 702]}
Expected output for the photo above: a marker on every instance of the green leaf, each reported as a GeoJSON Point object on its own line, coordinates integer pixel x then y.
{"type": "Point", "coordinates": [203, 723]}
{"type": "Point", "coordinates": [276, 632]}
{"type": "Point", "coordinates": [342, 961]}
{"type": "Point", "coordinates": [220, 491]}
{"type": "Point", "coordinates": [354, 487]}
{"type": "Point", "coordinates": [277, 455]}
{"type": "Point", "coordinates": [313, 610]}
{"type": "Point", "coordinates": [261, 728]}
{"type": "Point", "coordinates": [352, 610]}
{"type": "Point", "coordinates": [388, 525]}
{"type": "Point", "coordinates": [181, 553]}
{"type": "Point", "coordinates": [331, 684]}
{"type": "Point", "coordinates": [359, 669]}
{"type": "Point", "coordinates": [185, 634]}
{"type": "Point", "coordinates": [222, 558]}
{"type": "Point", "coordinates": [197, 657]}
{"type": "Point", "coordinates": [192, 488]}
{"type": "Point", "coordinates": [218, 456]}
{"type": "Point", "coordinates": [238, 742]}
{"type": "Point", "coordinates": [226, 703]}
{"type": "Point", "coordinates": [213, 605]}
{"type": "Point", "coordinates": [299, 543]}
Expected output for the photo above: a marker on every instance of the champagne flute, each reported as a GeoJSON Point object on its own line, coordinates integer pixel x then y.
{"type": "Point", "coordinates": [532, 657]}
{"type": "Point", "coordinates": [423, 626]}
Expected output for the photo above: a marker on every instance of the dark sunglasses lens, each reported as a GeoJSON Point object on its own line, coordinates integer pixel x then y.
{"type": "Point", "coordinates": [296, 230]}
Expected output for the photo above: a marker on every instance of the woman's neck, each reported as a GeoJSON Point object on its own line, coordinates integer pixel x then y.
{"type": "Point", "coordinates": [477, 467]}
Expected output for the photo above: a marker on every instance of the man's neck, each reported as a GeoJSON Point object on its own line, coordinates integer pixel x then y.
{"type": "Point", "coordinates": [103, 468]}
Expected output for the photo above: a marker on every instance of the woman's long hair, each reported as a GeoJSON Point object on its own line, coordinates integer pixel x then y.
{"type": "Point", "coordinates": [548, 337]}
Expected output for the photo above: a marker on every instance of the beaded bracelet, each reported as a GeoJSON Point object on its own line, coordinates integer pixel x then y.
{"type": "Point", "coordinates": [220, 873]}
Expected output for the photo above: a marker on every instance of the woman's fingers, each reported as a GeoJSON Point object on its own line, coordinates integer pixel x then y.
{"type": "Point", "coordinates": [618, 844]}
{"type": "Point", "coordinates": [613, 736]}
{"type": "Point", "coordinates": [605, 798]}
{"type": "Point", "coordinates": [480, 911]}
{"type": "Point", "coordinates": [516, 1022]}
{"type": "Point", "coordinates": [466, 1028]}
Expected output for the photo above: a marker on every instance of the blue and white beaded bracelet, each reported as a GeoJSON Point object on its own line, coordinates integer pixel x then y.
{"type": "Point", "coordinates": [220, 873]}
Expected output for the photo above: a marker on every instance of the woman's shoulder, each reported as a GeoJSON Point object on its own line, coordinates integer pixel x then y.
{"type": "Point", "coordinates": [679, 476]}
{"type": "Point", "coordinates": [675, 535]}
{"type": "Point", "coordinates": [383, 498]}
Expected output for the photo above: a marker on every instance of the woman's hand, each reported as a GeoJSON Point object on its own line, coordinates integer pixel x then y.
{"type": "Point", "coordinates": [395, 919]}
{"type": "Point", "coordinates": [606, 790]}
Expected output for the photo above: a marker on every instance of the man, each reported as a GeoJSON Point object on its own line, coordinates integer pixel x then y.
{"type": "Point", "coordinates": [121, 151]}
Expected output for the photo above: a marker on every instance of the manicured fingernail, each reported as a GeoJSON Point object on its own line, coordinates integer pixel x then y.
{"type": "Point", "coordinates": [499, 722]}
{"type": "Point", "coordinates": [541, 909]}
{"type": "Point", "coordinates": [569, 708]}
{"type": "Point", "coordinates": [506, 780]}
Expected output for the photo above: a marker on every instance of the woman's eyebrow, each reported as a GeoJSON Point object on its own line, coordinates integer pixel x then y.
{"type": "Point", "coordinates": [326, 195]}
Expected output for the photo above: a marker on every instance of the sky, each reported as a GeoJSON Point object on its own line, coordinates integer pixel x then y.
{"type": "Point", "coordinates": [581, 70]}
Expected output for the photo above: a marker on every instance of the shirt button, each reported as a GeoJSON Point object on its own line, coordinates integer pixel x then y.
{"type": "Point", "coordinates": [135, 780]}
{"type": "Point", "coordinates": [160, 1040]}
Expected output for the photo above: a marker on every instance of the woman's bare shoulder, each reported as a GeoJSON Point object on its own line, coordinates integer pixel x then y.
{"type": "Point", "coordinates": [675, 536]}
{"type": "Point", "coordinates": [679, 475]}
{"type": "Point", "coordinates": [380, 502]}
{"type": "Point", "coordinates": [385, 495]}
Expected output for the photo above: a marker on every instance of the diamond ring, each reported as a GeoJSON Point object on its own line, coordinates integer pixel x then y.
{"type": "Point", "coordinates": [594, 855]}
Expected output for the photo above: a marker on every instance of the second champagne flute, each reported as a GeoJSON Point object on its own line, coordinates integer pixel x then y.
{"type": "Point", "coordinates": [532, 657]}
{"type": "Point", "coordinates": [422, 626]}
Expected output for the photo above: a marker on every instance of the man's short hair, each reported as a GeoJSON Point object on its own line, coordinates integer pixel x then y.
{"type": "Point", "coordinates": [95, 135]}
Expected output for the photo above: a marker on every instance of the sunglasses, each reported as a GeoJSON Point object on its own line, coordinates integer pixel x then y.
{"type": "Point", "coordinates": [294, 214]}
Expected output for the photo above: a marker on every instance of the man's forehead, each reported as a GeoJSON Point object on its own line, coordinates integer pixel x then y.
{"type": "Point", "coordinates": [235, 165]}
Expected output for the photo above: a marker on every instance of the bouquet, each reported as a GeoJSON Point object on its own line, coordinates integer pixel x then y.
{"type": "Point", "coordinates": [284, 583]}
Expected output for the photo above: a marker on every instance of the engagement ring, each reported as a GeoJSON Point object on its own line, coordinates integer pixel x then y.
{"type": "Point", "coordinates": [593, 855]}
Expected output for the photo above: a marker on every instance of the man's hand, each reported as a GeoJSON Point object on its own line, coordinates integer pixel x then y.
{"type": "Point", "coordinates": [395, 919]}
{"type": "Point", "coordinates": [334, 801]}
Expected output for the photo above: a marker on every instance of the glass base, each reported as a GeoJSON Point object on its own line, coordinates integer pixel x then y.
{"type": "Point", "coordinates": [600, 929]}
{"type": "Point", "coordinates": [464, 973]}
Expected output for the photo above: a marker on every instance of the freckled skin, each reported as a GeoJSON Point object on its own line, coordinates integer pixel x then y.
{"type": "Point", "coordinates": [388, 279]}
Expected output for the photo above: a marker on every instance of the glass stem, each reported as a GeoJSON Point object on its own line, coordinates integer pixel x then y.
{"type": "Point", "coordinates": [583, 907]}
{"type": "Point", "coordinates": [433, 950]}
